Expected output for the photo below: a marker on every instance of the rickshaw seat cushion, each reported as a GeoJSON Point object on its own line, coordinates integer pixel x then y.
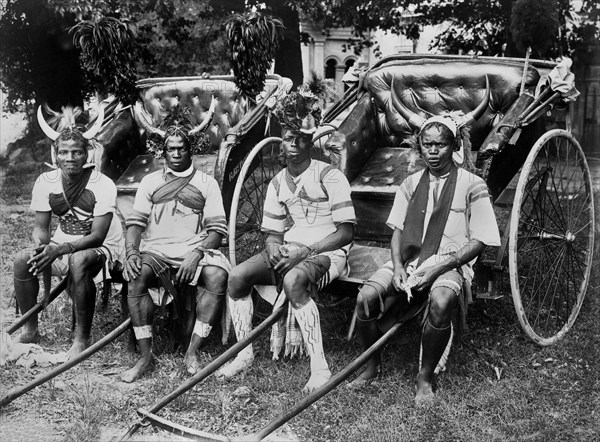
{"type": "Point", "coordinates": [196, 94]}
{"type": "Point", "coordinates": [427, 86]}
{"type": "Point", "coordinates": [436, 86]}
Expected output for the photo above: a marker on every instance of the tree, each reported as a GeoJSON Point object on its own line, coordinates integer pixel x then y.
{"type": "Point", "coordinates": [469, 26]}
{"type": "Point", "coordinates": [39, 62]}
{"type": "Point", "coordinates": [37, 58]}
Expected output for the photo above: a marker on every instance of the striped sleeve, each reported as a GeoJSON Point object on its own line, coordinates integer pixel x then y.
{"type": "Point", "coordinates": [214, 213]}
{"type": "Point", "coordinates": [274, 211]}
{"type": "Point", "coordinates": [338, 189]}
{"type": "Point", "coordinates": [403, 195]}
{"type": "Point", "coordinates": [141, 206]}
{"type": "Point", "coordinates": [482, 221]}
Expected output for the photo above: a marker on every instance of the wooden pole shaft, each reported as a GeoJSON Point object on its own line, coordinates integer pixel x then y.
{"type": "Point", "coordinates": [210, 368]}
{"type": "Point", "coordinates": [326, 388]}
{"type": "Point", "coordinates": [38, 307]}
{"type": "Point", "coordinates": [19, 391]}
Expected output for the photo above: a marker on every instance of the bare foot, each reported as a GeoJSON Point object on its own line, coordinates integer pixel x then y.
{"type": "Point", "coordinates": [143, 365]}
{"type": "Point", "coordinates": [28, 337]}
{"type": "Point", "coordinates": [192, 363]}
{"type": "Point", "coordinates": [78, 346]}
{"type": "Point", "coordinates": [317, 379]}
{"type": "Point", "coordinates": [234, 367]}
{"type": "Point", "coordinates": [365, 378]}
{"type": "Point", "coordinates": [425, 393]}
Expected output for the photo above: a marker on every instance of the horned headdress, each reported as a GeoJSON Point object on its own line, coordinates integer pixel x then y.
{"type": "Point", "coordinates": [177, 122]}
{"type": "Point", "coordinates": [67, 128]}
{"type": "Point", "coordinates": [457, 122]}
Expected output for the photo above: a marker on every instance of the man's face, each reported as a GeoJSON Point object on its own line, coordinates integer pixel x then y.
{"type": "Point", "coordinates": [177, 154]}
{"type": "Point", "coordinates": [437, 145]}
{"type": "Point", "coordinates": [71, 155]}
{"type": "Point", "coordinates": [296, 146]}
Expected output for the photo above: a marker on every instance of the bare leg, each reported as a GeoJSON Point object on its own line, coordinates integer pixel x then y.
{"type": "Point", "coordinates": [27, 287]}
{"type": "Point", "coordinates": [83, 266]}
{"type": "Point", "coordinates": [209, 302]}
{"type": "Point", "coordinates": [434, 340]}
{"type": "Point", "coordinates": [368, 309]}
{"type": "Point", "coordinates": [141, 309]}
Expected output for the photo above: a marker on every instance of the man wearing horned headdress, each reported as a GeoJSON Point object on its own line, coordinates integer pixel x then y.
{"type": "Point", "coordinates": [313, 252]}
{"type": "Point", "coordinates": [88, 240]}
{"type": "Point", "coordinates": [442, 219]}
{"type": "Point", "coordinates": [181, 212]}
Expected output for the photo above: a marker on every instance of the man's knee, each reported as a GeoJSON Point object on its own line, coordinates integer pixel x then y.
{"type": "Point", "coordinates": [139, 286]}
{"type": "Point", "coordinates": [367, 302]}
{"type": "Point", "coordinates": [237, 282]}
{"type": "Point", "coordinates": [442, 302]}
{"type": "Point", "coordinates": [21, 268]}
{"type": "Point", "coordinates": [295, 283]}
{"type": "Point", "coordinates": [83, 262]}
{"type": "Point", "coordinates": [214, 278]}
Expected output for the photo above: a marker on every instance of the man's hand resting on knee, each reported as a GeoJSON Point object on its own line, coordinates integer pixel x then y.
{"type": "Point", "coordinates": [186, 272]}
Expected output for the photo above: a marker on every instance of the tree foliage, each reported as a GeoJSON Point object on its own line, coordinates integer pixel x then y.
{"type": "Point", "coordinates": [467, 26]}
{"type": "Point", "coordinates": [534, 24]}
{"type": "Point", "coordinates": [37, 58]}
{"type": "Point", "coordinates": [172, 37]}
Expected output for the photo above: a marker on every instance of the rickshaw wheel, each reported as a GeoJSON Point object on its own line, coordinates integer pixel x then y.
{"type": "Point", "coordinates": [551, 237]}
{"type": "Point", "coordinates": [260, 166]}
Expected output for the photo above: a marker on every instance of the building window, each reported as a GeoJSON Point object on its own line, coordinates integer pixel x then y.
{"type": "Point", "coordinates": [330, 68]}
{"type": "Point", "coordinates": [349, 64]}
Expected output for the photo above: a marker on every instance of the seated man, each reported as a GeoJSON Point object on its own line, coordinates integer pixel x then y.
{"type": "Point", "coordinates": [88, 237]}
{"type": "Point", "coordinates": [313, 252]}
{"type": "Point", "coordinates": [442, 219]}
{"type": "Point", "coordinates": [181, 211]}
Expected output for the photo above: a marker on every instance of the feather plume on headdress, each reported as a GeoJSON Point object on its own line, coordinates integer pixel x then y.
{"type": "Point", "coordinates": [299, 111]}
{"type": "Point", "coordinates": [178, 121]}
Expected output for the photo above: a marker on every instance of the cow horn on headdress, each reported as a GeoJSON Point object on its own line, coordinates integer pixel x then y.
{"type": "Point", "coordinates": [50, 133]}
{"type": "Point", "coordinates": [413, 119]}
{"type": "Point", "coordinates": [144, 120]}
{"type": "Point", "coordinates": [207, 119]}
{"type": "Point", "coordinates": [416, 121]}
{"type": "Point", "coordinates": [68, 128]}
{"type": "Point", "coordinates": [177, 122]}
{"type": "Point", "coordinates": [474, 115]}
{"type": "Point", "coordinates": [93, 131]}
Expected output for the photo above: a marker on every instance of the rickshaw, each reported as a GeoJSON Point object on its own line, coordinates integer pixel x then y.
{"type": "Point", "coordinates": [534, 167]}
{"type": "Point", "coordinates": [538, 176]}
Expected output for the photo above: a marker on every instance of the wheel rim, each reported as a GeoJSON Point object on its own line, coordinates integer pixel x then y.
{"type": "Point", "coordinates": [552, 234]}
{"type": "Point", "coordinates": [261, 165]}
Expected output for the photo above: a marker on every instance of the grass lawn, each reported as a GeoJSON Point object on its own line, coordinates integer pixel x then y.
{"type": "Point", "coordinates": [498, 386]}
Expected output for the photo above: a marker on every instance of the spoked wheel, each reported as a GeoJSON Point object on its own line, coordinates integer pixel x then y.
{"type": "Point", "coordinates": [551, 237]}
{"type": "Point", "coordinates": [259, 168]}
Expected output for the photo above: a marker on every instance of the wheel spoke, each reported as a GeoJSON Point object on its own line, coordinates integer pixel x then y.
{"type": "Point", "coordinates": [552, 234]}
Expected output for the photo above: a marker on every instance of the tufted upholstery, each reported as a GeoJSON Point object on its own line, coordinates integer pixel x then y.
{"type": "Point", "coordinates": [429, 86]}
{"type": "Point", "coordinates": [374, 156]}
{"type": "Point", "coordinates": [159, 95]}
